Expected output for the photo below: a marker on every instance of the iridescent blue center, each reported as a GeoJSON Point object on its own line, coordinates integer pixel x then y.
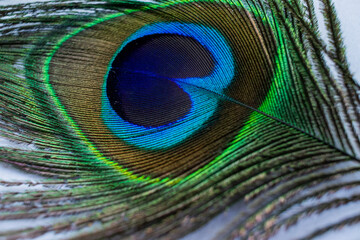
{"type": "Point", "coordinates": [160, 86]}
{"type": "Point", "coordinates": [141, 84]}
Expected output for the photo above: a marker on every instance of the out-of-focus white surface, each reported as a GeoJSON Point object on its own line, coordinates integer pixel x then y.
{"type": "Point", "coordinates": [348, 13]}
{"type": "Point", "coordinates": [13, 2]}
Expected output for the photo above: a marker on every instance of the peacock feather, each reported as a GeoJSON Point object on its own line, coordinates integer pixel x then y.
{"type": "Point", "coordinates": [146, 119]}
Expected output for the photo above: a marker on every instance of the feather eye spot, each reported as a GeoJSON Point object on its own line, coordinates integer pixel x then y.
{"type": "Point", "coordinates": [162, 88]}
{"type": "Point", "coordinates": [142, 85]}
{"type": "Point", "coordinates": [159, 81]}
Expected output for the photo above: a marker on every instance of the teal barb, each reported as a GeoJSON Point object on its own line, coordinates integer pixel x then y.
{"type": "Point", "coordinates": [156, 116]}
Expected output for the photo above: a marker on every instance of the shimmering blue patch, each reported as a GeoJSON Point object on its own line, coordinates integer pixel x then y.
{"type": "Point", "coordinates": [204, 103]}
